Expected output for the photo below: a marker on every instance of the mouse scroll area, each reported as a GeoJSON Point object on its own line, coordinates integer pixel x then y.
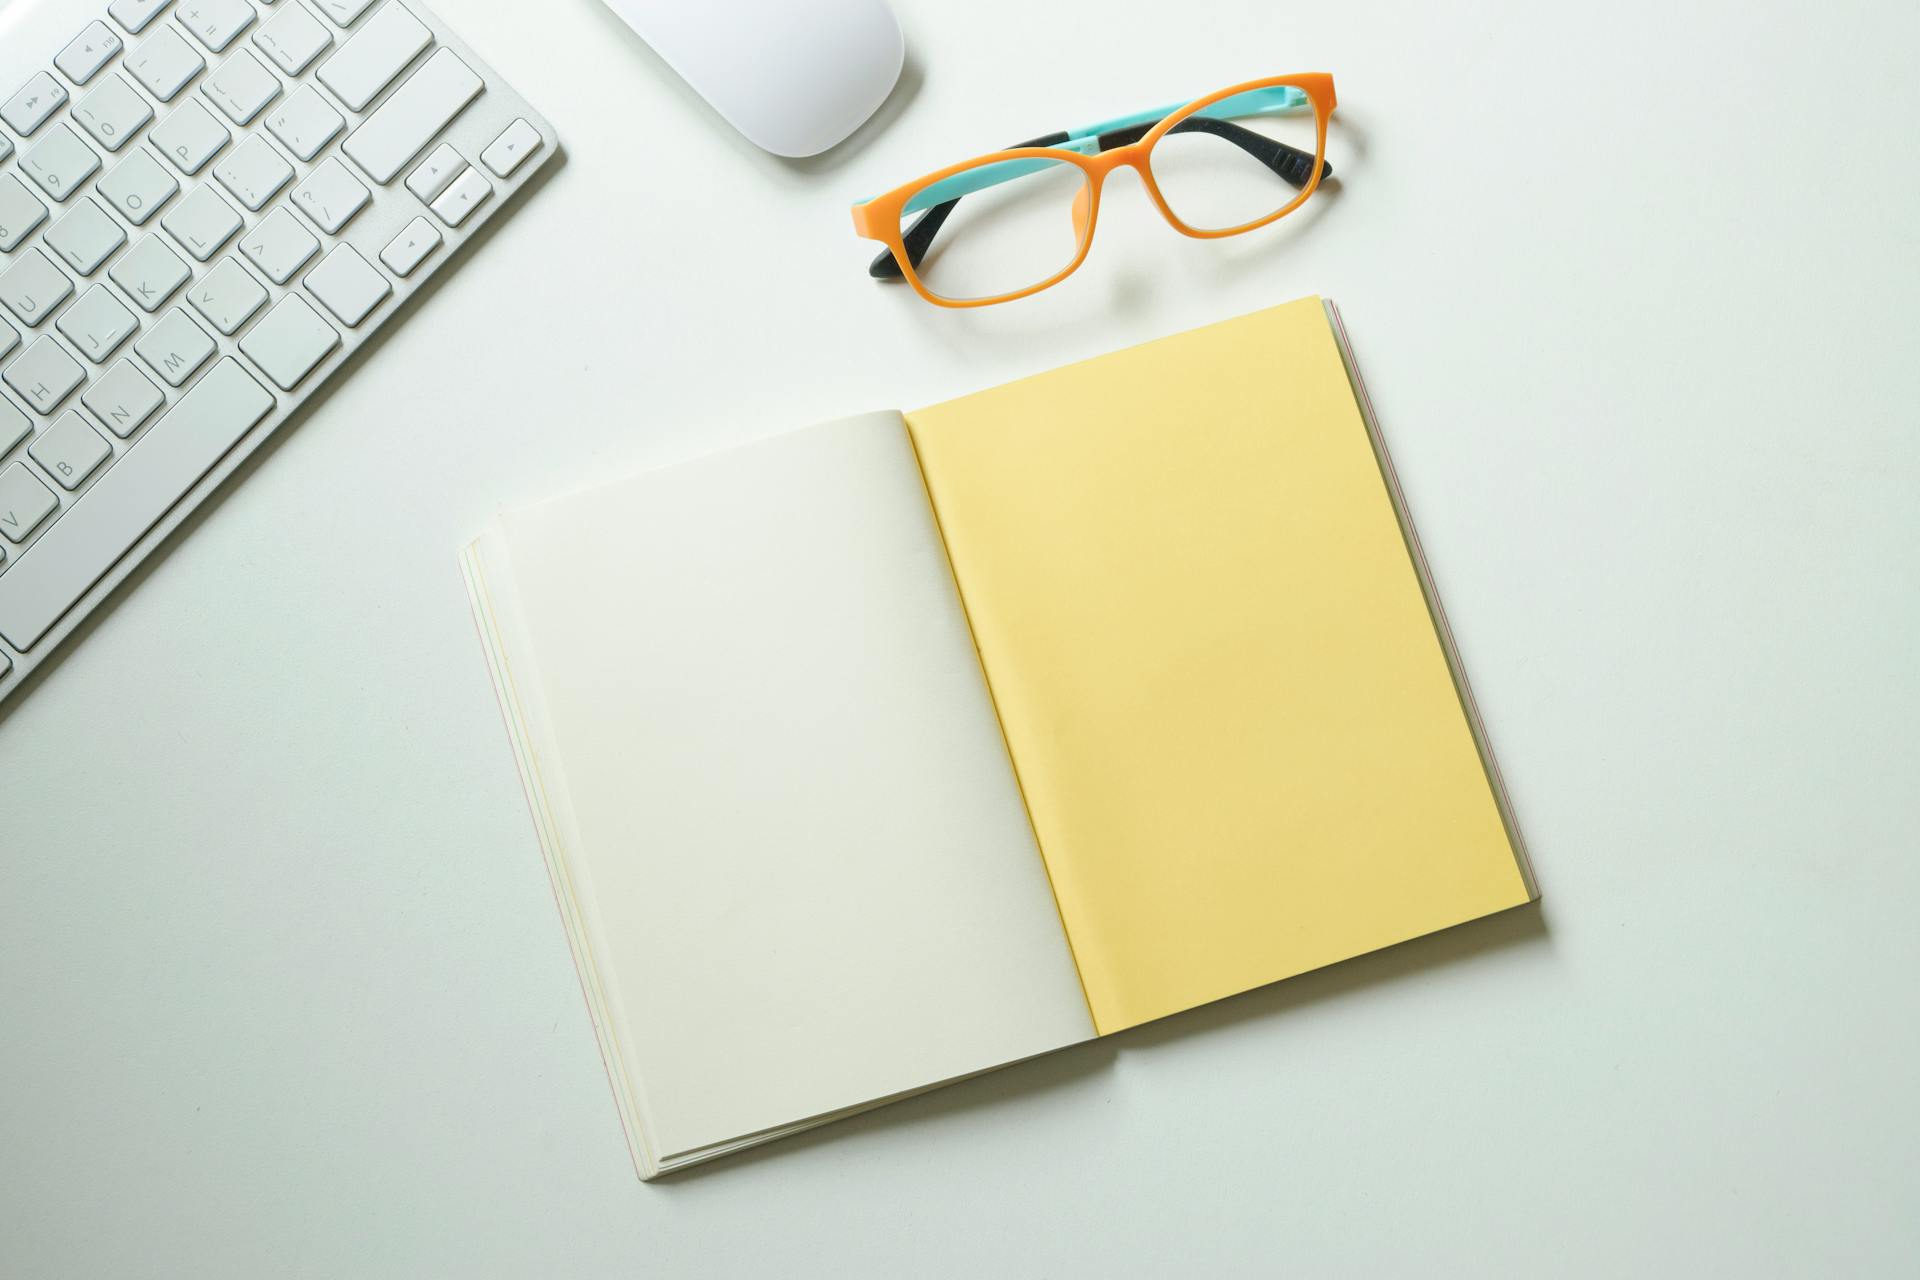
{"type": "Point", "coordinates": [794, 79]}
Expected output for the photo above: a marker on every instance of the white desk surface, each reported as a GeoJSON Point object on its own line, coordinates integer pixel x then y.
{"type": "Point", "coordinates": [282, 988]}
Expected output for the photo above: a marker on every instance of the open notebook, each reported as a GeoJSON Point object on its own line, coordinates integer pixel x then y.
{"type": "Point", "coordinates": [895, 749]}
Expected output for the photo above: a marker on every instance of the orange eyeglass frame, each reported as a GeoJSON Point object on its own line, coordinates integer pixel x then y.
{"type": "Point", "coordinates": [880, 217]}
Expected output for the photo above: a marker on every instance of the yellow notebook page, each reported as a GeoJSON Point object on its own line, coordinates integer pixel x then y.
{"type": "Point", "coordinates": [1239, 741]}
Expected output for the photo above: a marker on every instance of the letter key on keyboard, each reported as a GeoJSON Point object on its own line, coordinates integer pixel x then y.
{"type": "Point", "coordinates": [124, 503]}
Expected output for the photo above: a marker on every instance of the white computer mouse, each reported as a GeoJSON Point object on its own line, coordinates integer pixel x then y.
{"type": "Point", "coordinates": [794, 76]}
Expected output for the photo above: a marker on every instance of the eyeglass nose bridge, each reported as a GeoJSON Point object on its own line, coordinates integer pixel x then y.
{"type": "Point", "coordinates": [1102, 163]}
{"type": "Point", "coordinates": [1098, 167]}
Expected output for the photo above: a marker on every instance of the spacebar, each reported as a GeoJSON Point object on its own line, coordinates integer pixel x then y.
{"type": "Point", "coordinates": [137, 490]}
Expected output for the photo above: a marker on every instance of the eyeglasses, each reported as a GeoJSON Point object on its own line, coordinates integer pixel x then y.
{"type": "Point", "coordinates": [1216, 166]}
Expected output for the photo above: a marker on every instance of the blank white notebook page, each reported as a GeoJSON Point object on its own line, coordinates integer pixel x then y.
{"type": "Point", "coordinates": [790, 818]}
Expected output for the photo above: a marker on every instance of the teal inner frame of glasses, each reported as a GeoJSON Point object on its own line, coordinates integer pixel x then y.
{"type": "Point", "coordinates": [1272, 100]}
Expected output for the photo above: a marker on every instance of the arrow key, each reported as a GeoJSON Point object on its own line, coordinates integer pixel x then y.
{"type": "Point", "coordinates": [410, 248]}
{"type": "Point", "coordinates": [510, 150]}
{"type": "Point", "coordinates": [457, 203]}
{"type": "Point", "coordinates": [435, 172]}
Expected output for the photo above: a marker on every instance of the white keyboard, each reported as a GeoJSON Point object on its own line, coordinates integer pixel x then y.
{"type": "Point", "coordinates": [205, 207]}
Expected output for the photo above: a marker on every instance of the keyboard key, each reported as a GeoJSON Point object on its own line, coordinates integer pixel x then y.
{"type": "Point", "coordinates": [125, 502]}
{"type": "Point", "coordinates": [202, 223]}
{"type": "Point", "coordinates": [290, 342]}
{"type": "Point", "coordinates": [416, 113]}
{"type": "Point", "coordinates": [38, 99]}
{"type": "Point", "coordinates": [137, 186]}
{"type": "Point", "coordinates": [89, 51]}
{"type": "Point", "coordinates": [293, 38]}
{"type": "Point", "coordinates": [227, 296]}
{"type": "Point", "coordinates": [175, 348]}
{"type": "Point", "coordinates": [85, 237]}
{"type": "Point", "coordinates": [97, 324]}
{"type": "Point", "coordinates": [165, 64]}
{"type": "Point", "coordinates": [510, 150]}
{"type": "Point", "coordinates": [150, 273]}
{"type": "Point", "coordinates": [377, 53]}
{"type": "Point", "coordinates": [305, 123]}
{"type": "Point", "coordinates": [190, 137]}
{"type": "Point", "coordinates": [70, 450]}
{"type": "Point", "coordinates": [279, 246]}
{"type": "Point", "coordinates": [457, 203]}
{"type": "Point", "coordinates": [24, 503]}
{"type": "Point", "coordinates": [253, 172]}
{"type": "Point", "coordinates": [152, 115]}
{"type": "Point", "coordinates": [113, 113]}
{"type": "Point", "coordinates": [134, 15]}
{"type": "Point", "coordinates": [241, 88]}
{"type": "Point", "coordinates": [347, 285]}
{"type": "Point", "coordinates": [344, 12]}
{"type": "Point", "coordinates": [15, 426]}
{"type": "Point", "coordinates": [60, 162]}
{"type": "Point", "coordinates": [410, 248]}
{"type": "Point", "coordinates": [435, 172]}
{"type": "Point", "coordinates": [216, 23]}
{"type": "Point", "coordinates": [32, 287]}
{"type": "Point", "coordinates": [331, 196]}
{"type": "Point", "coordinates": [20, 212]}
{"type": "Point", "coordinates": [44, 375]}
{"type": "Point", "coordinates": [122, 398]}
